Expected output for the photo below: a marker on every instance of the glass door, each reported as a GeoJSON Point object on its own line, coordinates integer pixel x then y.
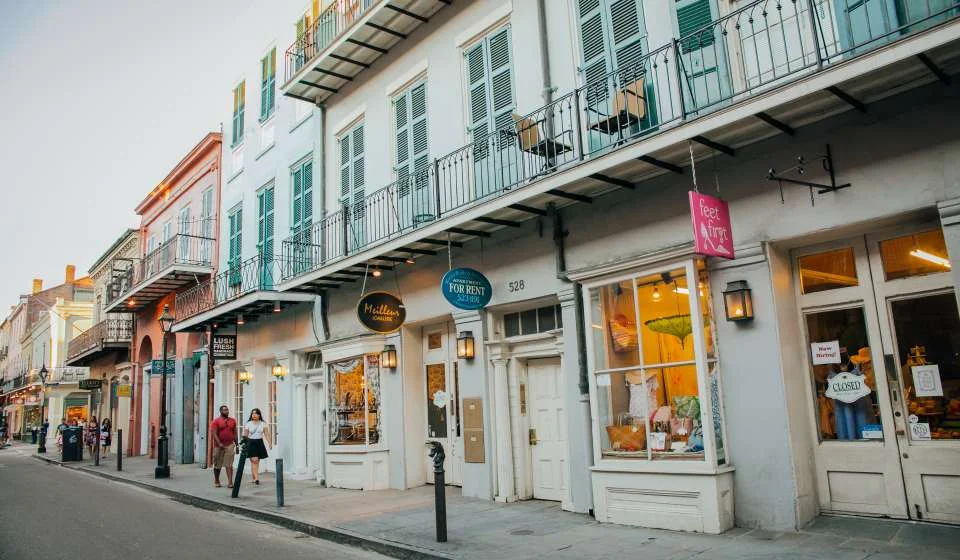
{"type": "Point", "coordinates": [857, 457]}
{"type": "Point", "coordinates": [920, 328]}
{"type": "Point", "coordinates": [442, 400]}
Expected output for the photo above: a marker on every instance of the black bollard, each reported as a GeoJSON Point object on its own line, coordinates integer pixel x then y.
{"type": "Point", "coordinates": [119, 450]}
{"type": "Point", "coordinates": [279, 469]}
{"type": "Point", "coordinates": [439, 489]}
{"type": "Point", "coordinates": [238, 477]}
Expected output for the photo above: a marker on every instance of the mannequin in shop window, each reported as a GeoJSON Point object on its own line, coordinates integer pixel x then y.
{"type": "Point", "coordinates": [850, 418]}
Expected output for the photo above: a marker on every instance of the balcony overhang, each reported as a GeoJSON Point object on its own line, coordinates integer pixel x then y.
{"type": "Point", "coordinates": [911, 62]}
{"type": "Point", "coordinates": [364, 40]}
{"type": "Point", "coordinates": [147, 292]}
{"type": "Point", "coordinates": [251, 306]}
{"type": "Point", "coordinates": [85, 357]}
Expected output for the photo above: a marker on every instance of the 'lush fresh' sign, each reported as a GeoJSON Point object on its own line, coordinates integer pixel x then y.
{"type": "Point", "coordinates": [466, 288]}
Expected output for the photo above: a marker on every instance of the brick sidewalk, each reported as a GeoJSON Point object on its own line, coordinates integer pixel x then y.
{"type": "Point", "coordinates": [401, 524]}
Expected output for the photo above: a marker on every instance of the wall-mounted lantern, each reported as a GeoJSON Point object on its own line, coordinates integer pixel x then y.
{"type": "Point", "coordinates": [277, 371]}
{"type": "Point", "coordinates": [738, 302]}
{"type": "Point", "coordinates": [388, 358]}
{"type": "Point", "coordinates": [245, 377]}
{"type": "Point", "coordinates": [465, 347]}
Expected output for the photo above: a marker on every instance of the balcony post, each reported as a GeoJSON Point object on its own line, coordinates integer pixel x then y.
{"type": "Point", "coordinates": [813, 30]}
{"type": "Point", "coordinates": [680, 77]}
{"type": "Point", "coordinates": [578, 124]}
{"type": "Point", "coordinates": [346, 228]}
{"type": "Point", "coordinates": [436, 185]}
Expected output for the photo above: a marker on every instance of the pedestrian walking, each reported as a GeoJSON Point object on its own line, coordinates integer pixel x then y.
{"type": "Point", "coordinates": [256, 432]}
{"type": "Point", "coordinates": [223, 433]}
{"type": "Point", "coordinates": [92, 432]}
{"type": "Point", "coordinates": [105, 436]}
{"type": "Point", "coordinates": [60, 428]}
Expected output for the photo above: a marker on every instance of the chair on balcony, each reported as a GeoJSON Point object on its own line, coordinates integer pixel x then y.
{"type": "Point", "coordinates": [527, 131]}
{"type": "Point", "coordinates": [628, 109]}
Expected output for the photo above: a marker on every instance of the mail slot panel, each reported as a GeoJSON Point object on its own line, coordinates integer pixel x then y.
{"type": "Point", "coordinates": [473, 446]}
{"type": "Point", "coordinates": [473, 414]}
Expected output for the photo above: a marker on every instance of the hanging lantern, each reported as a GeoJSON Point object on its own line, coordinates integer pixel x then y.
{"type": "Point", "coordinates": [465, 347]}
{"type": "Point", "coordinates": [388, 358]}
{"type": "Point", "coordinates": [277, 371]}
{"type": "Point", "coordinates": [245, 377]}
{"type": "Point", "coordinates": [738, 302]}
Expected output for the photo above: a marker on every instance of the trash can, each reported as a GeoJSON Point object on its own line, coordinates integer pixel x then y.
{"type": "Point", "coordinates": [72, 444]}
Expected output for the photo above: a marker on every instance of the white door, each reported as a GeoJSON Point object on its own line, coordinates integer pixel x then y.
{"type": "Point", "coordinates": [442, 400]}
{"type": "Point", "coordinates": [548, 432]}
{"type": "Point", "coordinates": [881, 309]}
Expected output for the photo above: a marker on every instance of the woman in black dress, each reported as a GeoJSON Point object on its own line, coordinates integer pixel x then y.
{"type": "Point", "coordinates": [256, 433]}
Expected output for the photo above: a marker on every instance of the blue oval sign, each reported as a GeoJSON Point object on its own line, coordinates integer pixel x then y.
{"type": "Point", "coordinates": [465, 288]}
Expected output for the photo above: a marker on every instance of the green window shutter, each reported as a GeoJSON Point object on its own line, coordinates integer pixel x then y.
{"type": "Point", "coordinates": [401, 120]}
{"type": "Point", "coordinates": [345, 166]}
{"type": "Point", "coordinates": [307, 196]}
{"type": "Point", "coordinates": [268, 72]}
{"type": "Point", "coordinates": [359, 179]}
{"type": "Point", "coordinates": [693, 16]}
{"type": "Point", "coordinates": [477, 78]}
{"type": "Point", "coordinates": [592, 46]}
{"type": "Point", "coordinates": [207, 213]}
{"type": "Point", "coordinates": [612, 36]}
{"type": "Point", "coordinates": [628, 32]}
{"type": "Point", "coordinates": [265, 223]}
{"type": "Point", "coordinates": [501, 78]}
{"type": "Point", "coordinates": [419, 140]}
{"type": "Point", "coordinates": [297, 197]}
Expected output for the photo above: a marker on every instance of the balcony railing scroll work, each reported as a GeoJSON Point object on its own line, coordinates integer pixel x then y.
{"type": "Point", "coordinates": [112, 330]}
{"type": "Point", "coordinates": [192, 247]}
{"type": "Point", "coordinates": [259, 273]}
{"type": "Point", "coordinates": [761, 45]}
{"type": "Point", "coordinates": [330, 24]}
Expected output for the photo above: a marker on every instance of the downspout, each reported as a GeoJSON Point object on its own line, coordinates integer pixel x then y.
{"type": "Point", "coordinates": [559, 235]}
{"type": "Point", "coordinates": [321, 166]}
{"type": "Point", "coordinates": [547, 92]}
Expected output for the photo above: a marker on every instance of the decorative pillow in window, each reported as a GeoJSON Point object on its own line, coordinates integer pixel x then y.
{"type": "Point", "coordinates": [687, 407]}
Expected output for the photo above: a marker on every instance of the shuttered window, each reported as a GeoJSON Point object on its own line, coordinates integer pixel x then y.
{"type": "Point", "coordinates": [490, 75]}
{"type": "Point", "coordinates": [612, 36]}
{"type": "Point", "coordinates": [410, 125]}
{"type": "Point", "coordinates": [301, 215]}
{"type": "Point", "coordinates": [235, 237]}
{"type": "Point", "coordinates": [352, 180]}
{"type": "Point", "coordinates": [693, 16]}
{"type": "Point", "coordinates": [206, 226]}
{"type": "Point", "coordinates": [268, 81]}
{"type": "Point", "coordinates": [239, 103]}
{"type": "Point", "coordinates": [265, 236]}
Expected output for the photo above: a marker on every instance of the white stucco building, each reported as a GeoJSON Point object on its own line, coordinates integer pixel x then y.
{"type": "Point", "coordinates": [551, 146]}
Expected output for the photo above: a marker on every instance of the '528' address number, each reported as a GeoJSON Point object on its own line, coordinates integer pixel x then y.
{"type": "Point", "coordinates": [515, 286]}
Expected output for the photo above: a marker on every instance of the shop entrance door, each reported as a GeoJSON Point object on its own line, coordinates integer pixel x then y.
{"type": "Point", "coordinates": [442, 400]}
{"type": "Point", "coordinates": [885, 381]}
{"type": "Point", "coordinates": [548, 435]}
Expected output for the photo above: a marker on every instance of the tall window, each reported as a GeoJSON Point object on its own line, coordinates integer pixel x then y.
{"type": "Point", "coordinates": [207, 224]}
{"type": "Point", "coordinates": [238, 387]}
{"type": "Point", "coordinates": [412, 156]}
{"type": "Point", "coordinates": [272, 410]}
{"type": "Point", "coordinates": [654, 366]}
{"type": "Point", "coordinates": [235, 239]}
{"type": "Point", "coordinates": [239, 103]}
{"type": "Point", "coordinates": [352, 182]}
{"type": "Point", "coordinates": [302, 215]}
{"type": "Point", "coordinates": [489, 70]}
{"type": "Point", "coordinates": [612, 36]}
{"type": "Point", "coordinates": [185, 233]}
{"type": "Point", "coordinates": [354, 401]}
{"type": "Point", "coordinates": [265, 236]}
{"type": "Point", "coordinates": [268, 79]}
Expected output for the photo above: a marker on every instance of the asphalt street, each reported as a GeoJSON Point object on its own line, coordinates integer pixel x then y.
{"type": "Point", "coordinates": [50, 512]}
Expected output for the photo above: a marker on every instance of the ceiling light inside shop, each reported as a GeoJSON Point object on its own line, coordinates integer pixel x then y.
{"type": "Point", "coordinates": [656, 294]}
{"type": "Point", "coordinates": [930, 257]}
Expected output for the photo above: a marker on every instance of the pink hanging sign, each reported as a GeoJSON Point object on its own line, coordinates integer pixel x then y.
{"type": "Point", "coordinates": [712, 234]}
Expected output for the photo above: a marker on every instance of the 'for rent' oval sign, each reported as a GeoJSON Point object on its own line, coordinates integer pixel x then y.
{"type": "Point", "coordinates": [466, 288]}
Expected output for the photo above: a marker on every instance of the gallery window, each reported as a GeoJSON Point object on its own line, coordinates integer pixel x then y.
{"type": "Point", "coordinates": [655, 374]}
{"type": "Point", "coordinates": [354, 401]}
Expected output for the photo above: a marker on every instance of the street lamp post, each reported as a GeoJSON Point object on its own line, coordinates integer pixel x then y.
{"type": "Point", "coordinates": [163, 467]}
{"type": "Point", "coordinates": [42, 448]}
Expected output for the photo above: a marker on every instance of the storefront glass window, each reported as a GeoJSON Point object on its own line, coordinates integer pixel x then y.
{"type": "Point", "coordinates": [649, 386]}
{"type": "Point", "coordinates": [914, 255]}
{"type": "Point", "coordinates": [354, 406]}
{"type": "Point", "coordinates": [845, 385]}
{"type": "Point", "coordinates": [927, 330]}
{"type": "Point", "coordinates": [436, 390]}
{"type": "Point", "coordinates": [272, 410]}
{"type": "Point", "coordinates": [828, 271]}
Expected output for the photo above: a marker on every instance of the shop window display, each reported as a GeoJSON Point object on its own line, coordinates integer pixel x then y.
{"type": "Point", "coordinates": [829, 270]}
{"type": "Point", "coordinates": [651, 389]}
{"type": "Point", "coordinates": [914, 255]}
{"type": "Point", "coordinates": [846, 389]}
{"type": "Point", "coordinates": [354, 401]}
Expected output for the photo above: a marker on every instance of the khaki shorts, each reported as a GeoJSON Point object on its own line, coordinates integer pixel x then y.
{"type": "Point", "coordinates": [223, 457]}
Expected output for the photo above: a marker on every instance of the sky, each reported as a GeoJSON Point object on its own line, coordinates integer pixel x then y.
{"type": "Point", "coordinates": [99, 99]}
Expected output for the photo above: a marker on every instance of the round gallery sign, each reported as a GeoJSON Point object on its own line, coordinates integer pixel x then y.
{"type": "Point", "coordinates": [381, 312]}
{"type": "Point", "coordinates": [466, 288]}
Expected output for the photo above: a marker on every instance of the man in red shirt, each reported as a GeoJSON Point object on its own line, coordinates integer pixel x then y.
{"type": "Point", "coordinates": [223, 432]}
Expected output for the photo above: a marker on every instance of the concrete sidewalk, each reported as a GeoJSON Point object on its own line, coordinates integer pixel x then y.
{"type": "Point", "coordinates": [401, 524]}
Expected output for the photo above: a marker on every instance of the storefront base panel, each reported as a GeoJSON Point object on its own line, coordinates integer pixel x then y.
{"type": "Point", "coordinates": [363, 470]}
{"type": "Point", "coordinates": [678, 502]}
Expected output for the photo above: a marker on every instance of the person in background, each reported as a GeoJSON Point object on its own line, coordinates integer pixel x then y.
{"type": "Point", "coordinates": [223, 433]}
{"type": "Point", "coordinates": [60, 428]}
{"type": "Point", "coordinates": [105, 440]}
{"type": "Point", "coordinates": [256, 432]}
{"type": "Point", "coordinates": [91, 433]}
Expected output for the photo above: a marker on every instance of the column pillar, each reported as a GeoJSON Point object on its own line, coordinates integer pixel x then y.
{"type": "Point", "coordinates": [506, 489]}
{"type": "Point", "coordinates": [518, 428]}
{"type": "Point", "coordinates": [479, 479]}
{"type": "Point", "coordinates": [577, 404]}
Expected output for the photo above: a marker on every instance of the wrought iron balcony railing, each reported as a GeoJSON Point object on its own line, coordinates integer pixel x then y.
{"type": "Point", "coordinates": [181, 249]}
{"type": "Point", "coordinates": [331, 23]}
{"type": "Point", "coordinates": [67, 374]}
{"type": "Point", "coordinates": [260, 273]}
{"type": "Point", "coordinates": [111, 330]}
{"type": "Point", "coordinates": [761, 45]}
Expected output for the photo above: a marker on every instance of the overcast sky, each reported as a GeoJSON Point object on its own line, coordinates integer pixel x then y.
{"type": "Point", "coordinates": [99, 99]}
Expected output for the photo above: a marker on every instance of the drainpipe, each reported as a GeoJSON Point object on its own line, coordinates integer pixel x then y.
{"type": "Point", "coordinates": [547, 92]}
{"type": "Point", "coordinates": [559, 235]}
{"type": "Point", "coordinates": [321, 166]}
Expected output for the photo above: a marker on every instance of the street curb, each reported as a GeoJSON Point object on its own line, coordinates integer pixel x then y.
{"type": "Point", "coordinates": [337, 535]}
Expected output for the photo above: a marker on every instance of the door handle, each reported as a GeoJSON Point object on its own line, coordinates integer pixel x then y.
{"type": "Point", "coordinates": [533, 436]}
